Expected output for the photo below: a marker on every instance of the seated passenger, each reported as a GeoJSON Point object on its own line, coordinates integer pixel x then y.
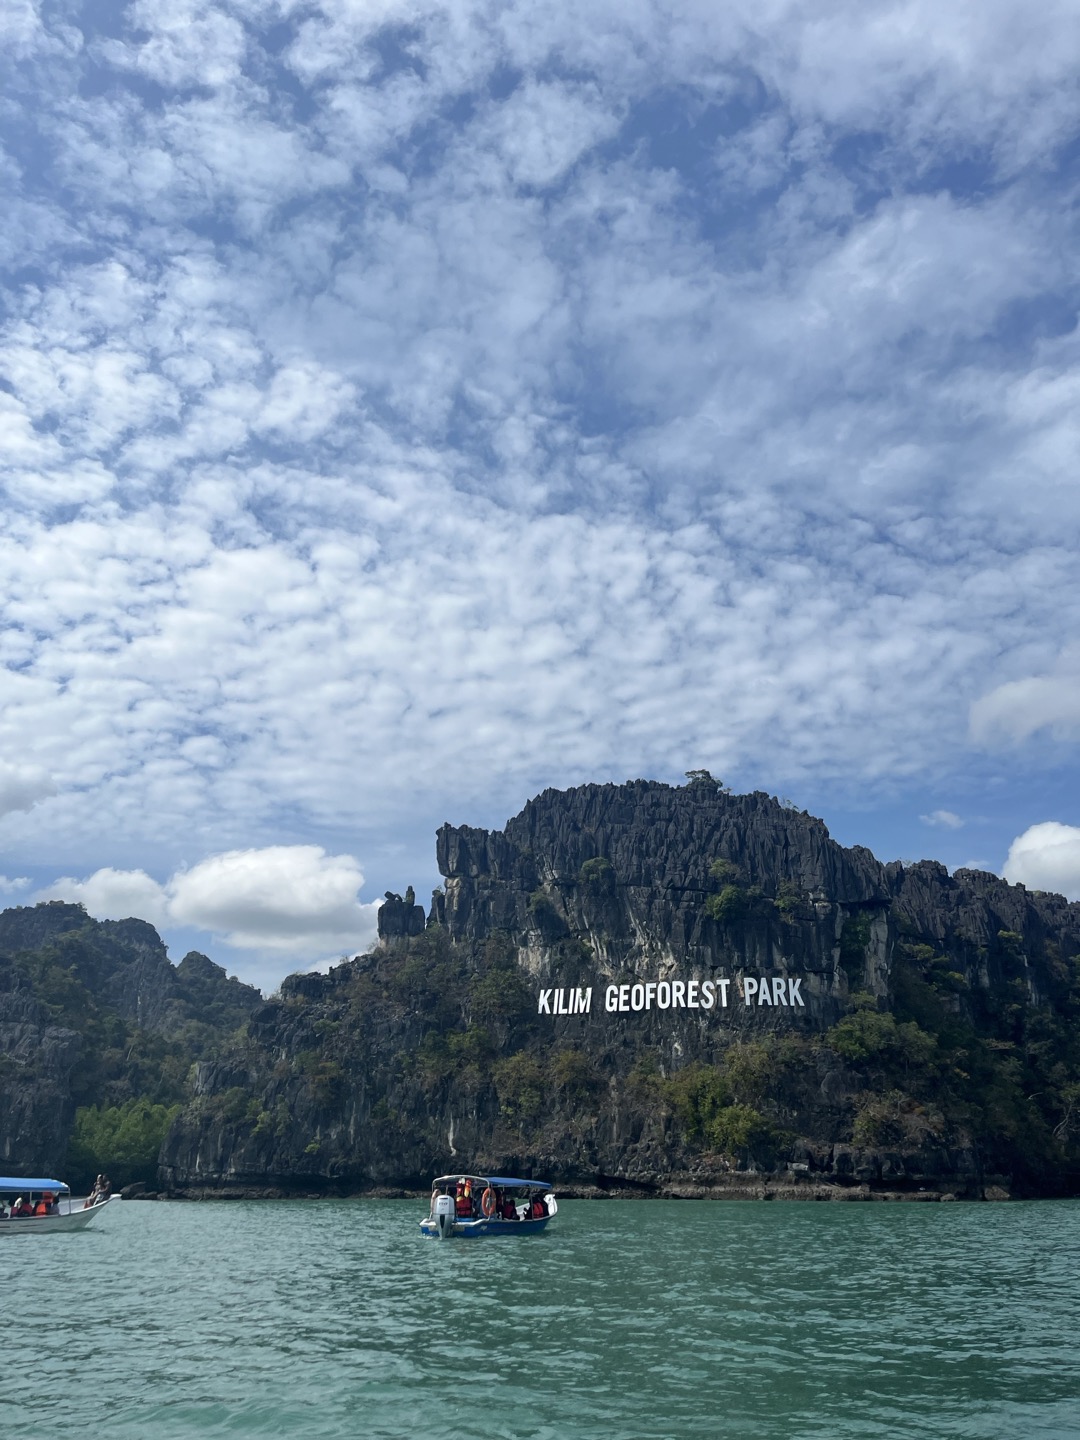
{"type": "Point", "coordinates": [41, 1208]}
{"type": "Point", "coordinates": [537, 1210]}
{"type": "Point", "coordinates": [508, 1210]}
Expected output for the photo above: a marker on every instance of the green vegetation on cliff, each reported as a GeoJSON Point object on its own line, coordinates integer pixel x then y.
{"type": "Point", "coordinates": [99, 1032]}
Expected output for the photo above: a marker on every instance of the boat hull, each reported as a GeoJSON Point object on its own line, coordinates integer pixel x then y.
{"type": "Point", "coordinates": [488, 1229]}
{"type": "Point", "coordinates": [51, 1224]}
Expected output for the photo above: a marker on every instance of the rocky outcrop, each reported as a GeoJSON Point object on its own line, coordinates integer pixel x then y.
{"type": "Point", "coordinates": [400, 917]}
{"type": "Point", "coordinates": [78, 1000]}
{"type": "Point", "coordinates": [629, 870]}
{"type": "Point", "coordinates": [36, 1061]}
{"type": "Point", "coordinates": [439, 1048]}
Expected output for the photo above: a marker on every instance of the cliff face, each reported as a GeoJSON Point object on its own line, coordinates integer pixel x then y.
{"type": "Point", "coordinates": [94, 1013]}
{"type": "Point", "coordinates": [905, 1017]}
{"type": "Point", "coordinates": [36, 1061]}
{"type": "Point", "coordinates": [625, 871]}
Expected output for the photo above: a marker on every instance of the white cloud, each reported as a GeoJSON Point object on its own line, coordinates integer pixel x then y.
{"type": "Point", "coordinates": [1020, 708]}
{"type": "Point", "coordinates": [942, 818]}
{"type": "Point", "coordinates": [23, 786]}
{"type": "Point", "coordinates": [542, 130]}
{"type": "Point", "coordinates": [284, 897]}
{"type": "Point", "coordinates": [188, 43]}
{"type": "Point", "coordinates": [111, 894]}
{"type": "Point", "coordinates": [1046, 857]}
{"type": "Point", "coordinates": [288, 901]}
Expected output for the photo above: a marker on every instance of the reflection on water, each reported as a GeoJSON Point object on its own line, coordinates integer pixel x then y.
{"type": "Point", "coordinates": [627, 1319]}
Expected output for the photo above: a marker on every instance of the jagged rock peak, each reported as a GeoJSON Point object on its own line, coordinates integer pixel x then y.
{"type": "Point", "coordinates": [663, 836]}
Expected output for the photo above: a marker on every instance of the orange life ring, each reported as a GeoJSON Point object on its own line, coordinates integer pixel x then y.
{"type": "Point", "coordinates": [487, 1202]}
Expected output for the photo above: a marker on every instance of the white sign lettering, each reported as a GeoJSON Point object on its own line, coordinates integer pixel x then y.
{"type": "Point", "coordinates": [565, 1002]}
{"type": "Point", "coordinates": [772, 990]}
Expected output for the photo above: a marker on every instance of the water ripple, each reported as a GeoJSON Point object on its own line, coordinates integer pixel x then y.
{"type": "Point", "coordinates": [665, 1319]}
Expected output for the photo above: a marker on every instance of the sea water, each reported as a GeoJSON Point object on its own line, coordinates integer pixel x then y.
{"type": "Point", "coordinates": [626, 1319]}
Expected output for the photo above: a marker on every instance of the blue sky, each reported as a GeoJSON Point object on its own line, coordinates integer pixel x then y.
{"type": "Point", "coordinates": [405, 407]}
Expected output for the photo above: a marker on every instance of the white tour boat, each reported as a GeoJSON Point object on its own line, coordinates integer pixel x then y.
{"type": "Point", "coordinates": [471, 1206]}
{"type": "Point", "coordinates": [61, 1211]}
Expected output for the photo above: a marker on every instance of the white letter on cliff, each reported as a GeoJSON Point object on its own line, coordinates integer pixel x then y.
{"type": "Point", "coordinates": [708, 994]}
{"type": "Point", "coordinates": [749, 988]}
{"type": "Point", "coordinates": [723, 991]}
{"type": "Point", "coordinates": [611, 998]}
{"type": "Point", "coordinates": [793, 991]}
{"type": "Point", "coordinates": [544, 1008]}
{"type": "Point", "coordinates": [779, 991]}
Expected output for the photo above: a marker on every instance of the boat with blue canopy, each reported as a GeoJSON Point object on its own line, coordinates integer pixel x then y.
{"type": "Point", "coordinates": [34, 1205]}
{"type": "Point", "coordinates": [470, 1206]}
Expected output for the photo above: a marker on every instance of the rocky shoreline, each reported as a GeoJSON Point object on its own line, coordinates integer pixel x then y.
{"type": "Point", "coordinates": [746, 1187]}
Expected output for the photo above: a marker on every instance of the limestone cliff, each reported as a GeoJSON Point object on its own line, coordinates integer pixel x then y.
{"type": "Point", "coordinates": [934, 1042]}
{"type": "Point", "coordinates": [93, 1013]}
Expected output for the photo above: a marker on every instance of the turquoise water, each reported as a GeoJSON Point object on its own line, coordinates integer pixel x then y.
{"type": "Point", "coordinates": [651, 1319]}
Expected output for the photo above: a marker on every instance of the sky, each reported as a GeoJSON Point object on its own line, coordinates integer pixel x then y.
{"type": "Point", "coordinates": [406, 407]}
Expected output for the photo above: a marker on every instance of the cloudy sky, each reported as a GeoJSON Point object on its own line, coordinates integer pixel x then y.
{"type": "Point", "coordinates": [407, 406]}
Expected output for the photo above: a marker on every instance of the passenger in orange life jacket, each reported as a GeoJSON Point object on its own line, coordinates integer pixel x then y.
{"type": "Point", "coordinates": [538, 1209]}
{"type": "Point", "coordinates": [508, 1210]}
{"type": "Point", "coordinates": [41, 1208]}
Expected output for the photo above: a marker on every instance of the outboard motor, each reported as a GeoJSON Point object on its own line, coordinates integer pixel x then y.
{"type": "Point", "coordinates": [445, 1213]}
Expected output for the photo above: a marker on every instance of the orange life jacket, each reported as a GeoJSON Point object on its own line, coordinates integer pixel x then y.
{"type": "Point", "coordinates": [41, 1208]}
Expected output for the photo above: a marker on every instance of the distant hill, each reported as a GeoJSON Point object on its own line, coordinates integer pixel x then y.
{"type": "Point", "coordinates": [98, 1032]}
{"type": "Point", "coordinates": [888, 1029]}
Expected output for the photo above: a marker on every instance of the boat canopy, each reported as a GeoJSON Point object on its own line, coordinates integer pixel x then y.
{"type": "Point", "coordinates": [504, 1181]}
{"type": "Point", "coordinates": [507, 1183]}
{"type": "Point", "coordinates": [17, 1182]}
